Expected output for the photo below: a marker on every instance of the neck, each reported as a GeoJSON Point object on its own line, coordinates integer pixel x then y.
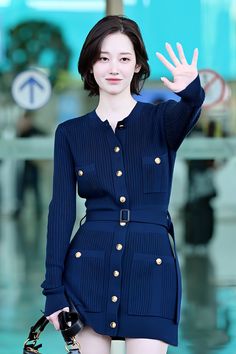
{"type": "Point", "coordinates": [113, 107]}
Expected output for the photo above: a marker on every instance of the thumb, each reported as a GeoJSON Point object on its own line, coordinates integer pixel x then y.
{"type": "Point", "coordinates": [167, 83]}
{"type": "Point", "coordinates": [53, 318]}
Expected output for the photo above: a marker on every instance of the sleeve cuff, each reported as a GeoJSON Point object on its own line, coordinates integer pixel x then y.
{"type": "Point", "coordinates": [55, 300]}
{"type": "Point", "coordinates": [193, 93]}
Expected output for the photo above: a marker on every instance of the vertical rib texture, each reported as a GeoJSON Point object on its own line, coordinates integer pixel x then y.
{"type": "Point", "coordinates": [61, 218]}
{"type": "Point", "coordinates": [148, 141]}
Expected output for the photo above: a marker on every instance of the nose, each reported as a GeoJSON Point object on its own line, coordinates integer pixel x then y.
{"type": "Point", "coordinates": [113, 68]}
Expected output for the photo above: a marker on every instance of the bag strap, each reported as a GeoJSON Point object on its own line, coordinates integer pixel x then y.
{"type": "Point", "coordinates": [69, 331]}
{"type": "Point", "coordinates": [34, 334]}
{"type": "Point", "coordinates": [40, 325]}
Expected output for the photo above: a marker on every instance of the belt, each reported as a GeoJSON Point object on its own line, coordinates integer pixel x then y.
{"type": "Point", "coordinates": [129, 215]}
{"type": "Point", "coordinates": [124, 216]}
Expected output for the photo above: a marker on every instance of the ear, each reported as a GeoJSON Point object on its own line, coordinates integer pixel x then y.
{"type": "Point", "coordinates": [137, 68]}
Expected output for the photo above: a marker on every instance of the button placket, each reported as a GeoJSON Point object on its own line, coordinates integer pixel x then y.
{"type": "Point", "coordinates": [114, 287]}
{"type": "Point", "coordinates": [118, 170]}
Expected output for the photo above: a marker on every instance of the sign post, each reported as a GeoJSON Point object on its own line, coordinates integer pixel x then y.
{"type": "Point", "coordinates": [215, 88]}
{"type": "Point", "coordinates": [31, 89]}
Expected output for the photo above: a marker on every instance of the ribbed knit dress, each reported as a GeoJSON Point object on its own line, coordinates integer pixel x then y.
{"type": "Point", "coordinates": [120, 269]}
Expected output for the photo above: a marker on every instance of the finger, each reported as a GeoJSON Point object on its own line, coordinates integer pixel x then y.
{"type": "Point", "coordinates": [172, 54]}
{"type": "Point", "coordinates": [54, 322]}
{"type": "Point", "coordinates": [53, 319]}
{"type": "Point", "coordinates": [165, 62]}
{"type": "Point", "coordinates": [66, 309]}
{"type": "Point", "coordinates": [49, 319]}
{"type": "Point", "coordinates": [167, 83]}
{"type": "Point", "coordinates": [181, 53]}
{"type": "Point", "coordinates": [195, 57]}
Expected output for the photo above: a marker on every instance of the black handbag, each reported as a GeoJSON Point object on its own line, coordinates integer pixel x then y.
{"type": "Point", "coordinates": [70, 324]}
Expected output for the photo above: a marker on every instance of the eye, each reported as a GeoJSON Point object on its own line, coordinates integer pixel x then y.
{"type": "Point", "coordinates": [104, 59]}
{"type": "Point", "coordinates": [124, 59]}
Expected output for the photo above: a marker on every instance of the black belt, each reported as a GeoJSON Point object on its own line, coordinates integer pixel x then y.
{"type": "Point", "coordinates": [129, 215]}
{"type": "Point", "coordinates": [159, 217]}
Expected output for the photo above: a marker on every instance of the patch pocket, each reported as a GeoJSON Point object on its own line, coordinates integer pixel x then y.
{"type": "Point", "coordinates": [88, 181]}
{"type": "Point", "coordinates": [84, 274]}
{"type": "Point", "coordinates": [155, 173]}
{"type": "Point", "coordinates": [153, 286]}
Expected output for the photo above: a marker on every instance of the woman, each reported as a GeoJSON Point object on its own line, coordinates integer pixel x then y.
{"type": "Point", "coordinates": [120, 269]}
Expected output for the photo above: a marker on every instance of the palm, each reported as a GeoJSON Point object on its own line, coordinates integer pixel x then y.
{"type": "Point", "coordinates": [183, 73]}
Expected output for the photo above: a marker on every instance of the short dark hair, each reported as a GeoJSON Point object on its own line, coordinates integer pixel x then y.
{"type": "Point", "coordinates": [91, 49]}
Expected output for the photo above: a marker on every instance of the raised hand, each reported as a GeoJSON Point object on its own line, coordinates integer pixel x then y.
{"type": "Point", "coordinates": [183, 73]}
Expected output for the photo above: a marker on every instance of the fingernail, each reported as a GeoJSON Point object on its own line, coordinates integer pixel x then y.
{"type": "Point", "coordinates": [167, 43]}
{"type": "Point", "coordinates": [177, 43]}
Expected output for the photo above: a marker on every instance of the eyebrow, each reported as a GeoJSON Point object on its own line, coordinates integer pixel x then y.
{"type": "Point", "coordinates": [123, 53]}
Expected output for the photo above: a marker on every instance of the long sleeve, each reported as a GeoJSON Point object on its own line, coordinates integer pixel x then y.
{"type": "Point", "coordinates": [61, 218]}
{"type": "Point", "coordinates": [180, 117]}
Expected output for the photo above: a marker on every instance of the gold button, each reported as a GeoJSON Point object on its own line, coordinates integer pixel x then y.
{"type": "Point", "coordinates": [113, 325]}
{"type": "Point", "coordinates": [119, 173]}
{"type": "Point", "coordinates": [122, 199]}
{"type": "Point", "coordinates": [119, 246]}
{"type": "Point", "coordinates": [114, 298]}
{"type": "Point", "coordinates": [158, 261]}
{"type": "Point", "coordinates": [78, 254]}
{"type": "Point", "coordinates": [158, 160]}
{"type": "Point", "coordinates": [122, 223]}
{"type": "Point", "coordinates": [116, 273]}
{"type": "Point", "coordinates": [80, 173]}
{"type": "Point", "coordinates": [116, 149]}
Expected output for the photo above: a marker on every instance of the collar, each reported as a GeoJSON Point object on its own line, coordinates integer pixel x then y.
{"type": "Point", "coordinates": [95, 121]}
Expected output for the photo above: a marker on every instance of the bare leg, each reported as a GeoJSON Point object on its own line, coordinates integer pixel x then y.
{"type": "Point", "coordinates": [145, 345]}
{"type": "Point", "coordinates": [92, 342]}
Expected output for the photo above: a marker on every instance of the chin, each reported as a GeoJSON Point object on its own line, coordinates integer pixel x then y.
{"type": "Point", "coordinates": [114, 91]}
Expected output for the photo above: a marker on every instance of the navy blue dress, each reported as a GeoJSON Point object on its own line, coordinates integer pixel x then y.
{"type": "Point", "coordinates": [120, 269]}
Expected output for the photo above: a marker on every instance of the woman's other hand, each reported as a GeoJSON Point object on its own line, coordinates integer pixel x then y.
{"type": "Point", "coordinates": [183, 73]}
{"type": "Point", "coordinates": [53, 318]}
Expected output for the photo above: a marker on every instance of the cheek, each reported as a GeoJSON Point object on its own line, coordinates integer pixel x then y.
{"type": "Point", "coordinates": [98, 71]}
{"type": "Point", "coordinates": [98, 77]}
{"type": "Point", "coordinates": [129, 70]}
{"type": "Point", "coordinates": [129, 74]}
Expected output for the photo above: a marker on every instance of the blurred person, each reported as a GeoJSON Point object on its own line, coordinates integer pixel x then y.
{"type": "Point", "coordinates": [202, 307]}
{"type": "Point", "coordinates": [9, 115]}
{"type": "Point", "coordinates": [199, 214]}
{"type": "Point", "coordinates": [120, 269]}
{"type": "Point", "coordinates": [29, 170]}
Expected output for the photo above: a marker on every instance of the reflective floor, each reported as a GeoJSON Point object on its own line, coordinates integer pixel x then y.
{"type": "Point", "coordinates": [208, 322]}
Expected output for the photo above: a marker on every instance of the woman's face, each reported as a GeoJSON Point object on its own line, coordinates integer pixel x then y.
{"type": "Point", "coordinates": [114, 69]}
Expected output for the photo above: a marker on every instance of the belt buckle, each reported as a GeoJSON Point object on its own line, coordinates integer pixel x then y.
{"type": "Point", "coordinates": [121, 215]}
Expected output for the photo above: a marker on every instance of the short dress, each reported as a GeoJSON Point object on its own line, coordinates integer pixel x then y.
{"type": "Point", "coordinates": [120, 269]}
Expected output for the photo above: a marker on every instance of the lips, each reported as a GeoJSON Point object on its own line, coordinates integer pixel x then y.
{"type": "Point", "coordinates": [113, 80]}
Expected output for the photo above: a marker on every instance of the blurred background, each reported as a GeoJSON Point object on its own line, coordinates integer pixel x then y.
{"type": "Point", "coordinates": [47, 36]}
